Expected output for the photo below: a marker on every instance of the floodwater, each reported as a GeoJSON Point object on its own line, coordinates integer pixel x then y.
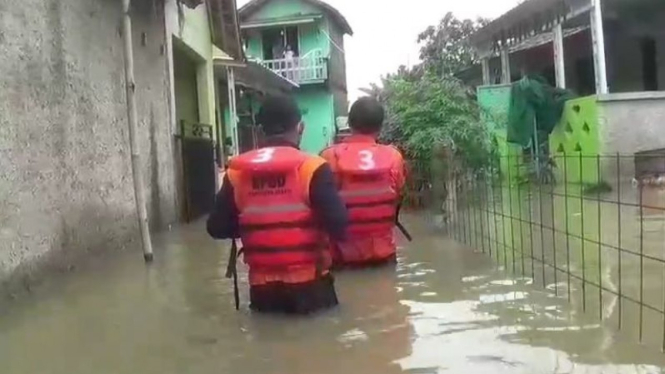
{"type": "Point", "coordinates": [604, 252]}
{"type": "Point", "coordinates": [445, 309]}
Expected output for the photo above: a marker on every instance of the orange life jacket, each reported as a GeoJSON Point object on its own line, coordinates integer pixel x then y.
{"type": "Point", "coordinates": [364, 174]}
{"type": "Point", "coordinates": [281, 242]}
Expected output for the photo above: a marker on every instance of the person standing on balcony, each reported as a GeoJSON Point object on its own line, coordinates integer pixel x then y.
{"type": "Point", "coordinates": [370, 178]}
{"type": "Point", "coordinates": [289, 60]}
{"type": "Point", "coordinates": [282, 203]}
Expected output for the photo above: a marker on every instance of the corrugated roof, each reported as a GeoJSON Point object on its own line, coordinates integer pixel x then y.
{"type": "Point", "coordinates": [529, 18]}
{"type": "Point", "coordinates": [254, 5]}
{"type": "Point", "coordinates": [226, 27]}
{"type": "Point", "coordinates": [544, 38]}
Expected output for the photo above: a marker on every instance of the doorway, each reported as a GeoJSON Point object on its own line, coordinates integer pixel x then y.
{"type": "Point", "coordinates": [195, 153]}
{"type": "Point", "coordinates": [277, 41]}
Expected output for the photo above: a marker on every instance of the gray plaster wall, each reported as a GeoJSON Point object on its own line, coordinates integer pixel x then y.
{"type": "Point", "coordinates": [65, 173]}
{"type": "Point", "coordinates": [630, 123]}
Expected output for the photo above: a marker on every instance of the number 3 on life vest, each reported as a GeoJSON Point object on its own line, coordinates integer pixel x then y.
{"type": "Point", "coordinates": [366, 160]}
{"type": "Point", "coordinates": [264, 155]}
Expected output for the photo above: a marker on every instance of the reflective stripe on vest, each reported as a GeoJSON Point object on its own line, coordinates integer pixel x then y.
{"type": "Point", "coordinates": [284, 208]}
{"type": "Point", "coordinates": [369, 204]}
{"type": "Point", "coordinates": [309, 247]}
{"type": "Point", "coordinates": [366, 192]}
{"type": "Point", "coordinates": [277, 227]}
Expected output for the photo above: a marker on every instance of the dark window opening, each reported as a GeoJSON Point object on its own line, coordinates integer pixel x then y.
{"type": "Point", "coordinates": [649, 64]}
{"type": "Point", "coordinates": [277, 43]}
{"type": "Point", "coordinates": [550, 75]}
{"type": "Point", "coordinates": [586, 76]}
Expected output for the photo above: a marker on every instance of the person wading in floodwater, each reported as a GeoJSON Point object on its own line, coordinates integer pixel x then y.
{"type": "Point", "coordinates": [370, 178]}
{"type": "Point", "coordinates": [283, 205]}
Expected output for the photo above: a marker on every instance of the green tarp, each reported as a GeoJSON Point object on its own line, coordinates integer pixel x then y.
{"type": "Point", "coordinates": [533, 99]}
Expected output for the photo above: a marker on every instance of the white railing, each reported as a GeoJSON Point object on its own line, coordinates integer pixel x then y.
{"type": "Point", "coordinates": [310, 68]}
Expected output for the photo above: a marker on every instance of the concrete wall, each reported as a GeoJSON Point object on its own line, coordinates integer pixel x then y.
{"type": "Point", "coordinates": [66, 182]}
{"type": "Point", "coordinates": [191, 30]}
{"type": "Point", "coordinates": [632, 122]}
{"type": "Point", "coordinates": [337, 70]}
{"type": "Point", "coordinates": [317, 105]}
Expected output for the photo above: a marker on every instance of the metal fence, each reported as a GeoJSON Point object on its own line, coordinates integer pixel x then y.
{"type": "Point", "coordinates": [593, 231]}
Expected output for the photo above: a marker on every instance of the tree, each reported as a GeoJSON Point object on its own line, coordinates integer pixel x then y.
{"type": "Point", "coordinates": [445, 48]}
{"type": "Point", "coordinates": [427, 108]}
{"type": "Point", "coordinates": [433, 112]}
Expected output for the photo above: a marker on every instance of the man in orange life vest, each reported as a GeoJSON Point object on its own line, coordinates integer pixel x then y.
{"type": "Point", "coordinates": [284, 206]}
{"type": "Point", "coordinates": [370, 178]}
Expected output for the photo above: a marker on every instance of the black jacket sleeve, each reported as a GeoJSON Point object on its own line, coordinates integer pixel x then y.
{"type": "Point", "coordinates": [223, 221]}
{"type": "Point", "coordinates": [328, 207]}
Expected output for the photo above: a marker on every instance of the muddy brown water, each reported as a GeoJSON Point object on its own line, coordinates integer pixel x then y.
{"type": "Point", "coordinates": [445, 309]}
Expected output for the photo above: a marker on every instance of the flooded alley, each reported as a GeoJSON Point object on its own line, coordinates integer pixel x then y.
{"type": "Point", "coordinates": [447, 308]}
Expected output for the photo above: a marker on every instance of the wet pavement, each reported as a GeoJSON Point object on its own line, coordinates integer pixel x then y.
{"type": "Point", "coordinates": [445, 309]}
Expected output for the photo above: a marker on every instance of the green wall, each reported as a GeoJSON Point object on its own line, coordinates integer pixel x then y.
{"type": "Point", "coordinates": [316, 101]}
{"type": "Point", "coordinates": [186, 90]}
{"type": "Point", "coordinates": [577, 140]}
{"type": "Point", "coordinates": [284, 9]}
{"type": "Point", "coordinates": [192, 34]}
{"type": "Point", "coordinates": [310, 34]}
{"type": "Point", "coordinates": [318, 108]}
{"type": "Point", "coordinates": [254, 44]}
{"type": "Point", "coordinates": [494, 102]}
{"type": "Point", "coordinates": [311, 38]}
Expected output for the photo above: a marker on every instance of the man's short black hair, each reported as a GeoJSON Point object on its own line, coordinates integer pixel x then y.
{"type": "Point", "coordinates": [366, 116]}
{"type": "Point", "coordinates": [278, 115]}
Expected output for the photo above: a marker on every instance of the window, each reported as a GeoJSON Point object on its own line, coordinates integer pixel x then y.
{"type": "Point", "coordinates": [586, 79]}
{"type": "Point", "coordinates": [649, 64]}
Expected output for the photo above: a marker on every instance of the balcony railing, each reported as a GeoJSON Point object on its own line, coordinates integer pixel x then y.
{"type": "Point", "coordinates": [310, 68]}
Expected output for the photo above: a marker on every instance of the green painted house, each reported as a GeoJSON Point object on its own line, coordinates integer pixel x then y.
{"type": "Point", "coordinates": [303, 41]}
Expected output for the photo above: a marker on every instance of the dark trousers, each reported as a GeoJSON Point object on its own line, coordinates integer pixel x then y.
{"type": "Point", "coordinates": [303, 298]}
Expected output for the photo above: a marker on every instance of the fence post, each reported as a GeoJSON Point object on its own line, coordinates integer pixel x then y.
{"type": "Point", "coordinates": [619, 269]}
{"type": "Point", "coordinates": [600, 247]}
{"type": "Point", "coordinates": [531, 243]}
{"type": "Point", "coordinates": [542, 233]}
{"type": "Point", "coordinates": [556, 269]}
{"type": "Point", "coordinates": [510, 212]}
{"type": "Point", "coordinates": [480, 212]}
{"type": "Point", "coordinates": [565, 195]}
{"type": "Point", "coordinates": [641, 188]}
{"type": "Point", "coordinates": [503, 223]}
{"type": "Point", "coordinates": [582, 233]}
{"type": "Point", "coordinates": [520, 221]}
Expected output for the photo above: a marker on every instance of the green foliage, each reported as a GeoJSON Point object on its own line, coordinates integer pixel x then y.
{"type": "Point", "coordinates": [431, 113]}
{"type": "Point", "coordinates": [445, 48]}
{"type": "Point", "coordinates": [427, 109]}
